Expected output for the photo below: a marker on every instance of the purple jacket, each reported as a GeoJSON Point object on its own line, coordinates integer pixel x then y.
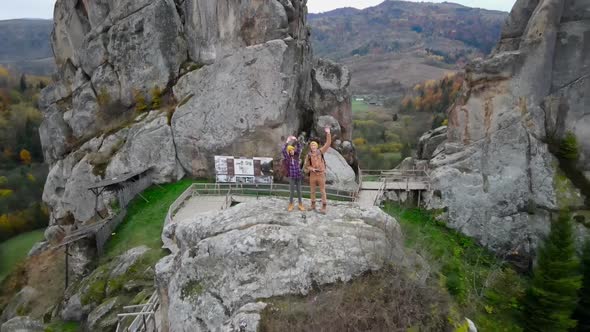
{"type": "Point", "coordinates": [294, 168]}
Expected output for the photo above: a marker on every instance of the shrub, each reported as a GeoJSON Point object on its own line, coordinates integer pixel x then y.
{"type": "Point", "coordinates": [568, 147]}
{"type": "Point", "coordinates": [156, 97]}
{"type": "Point", "coordinates": [140, 103]}
{"type": "Point", "coordinates": [582, 313]}
{"type": "Point", "coordinates": [553, 294]}
{"type": "Point", "coordinates": [387, 300]}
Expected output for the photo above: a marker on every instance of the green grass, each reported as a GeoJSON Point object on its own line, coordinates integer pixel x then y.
{"type": "Point", "coordinates": [63, 327]}
{"type": "Point", "coordinates": [144, 221]}
{"type": "Point", "coordinates": [486, 290]}
{"type": "Point", "coordinates": [359, 106]}
{"type": "Point", "coordinates": [15, 250]}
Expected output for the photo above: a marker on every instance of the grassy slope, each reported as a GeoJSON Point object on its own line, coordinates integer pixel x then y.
{"type": "Point", "coordinates": [359, 106]}
{"type": "Point", "coordinates": [144, 221]}
{"type": "Point", "coordinates": [487, 291]}
{"type": "Point", "coordinates": [15, 250]}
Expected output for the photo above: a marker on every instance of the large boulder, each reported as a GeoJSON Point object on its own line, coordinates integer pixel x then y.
{"type": "Point", "coordinates": [339, 174]}
{"type": "Point", "coordinates": [220, 113]}
{"type": "Point", "coordinates": [495, 176]}
{"type": "Point", "coordinates": [256, 250]}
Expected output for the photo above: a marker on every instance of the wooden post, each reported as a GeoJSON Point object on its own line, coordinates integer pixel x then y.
{"type": "Point", "coordinates": [67, 268]}
{"type": "Point", "coordinates": [419, 191]}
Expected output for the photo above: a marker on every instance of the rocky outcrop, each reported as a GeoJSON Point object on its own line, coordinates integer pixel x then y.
{"type": "Point", "coordinates": [22, 324]}
{"type": "Point", "coordinates": [223, 76]}
{"type": "Point", "coordinates": [430, 141]}
{"type": "Point", "coordinates": [20, 305]}
{"type": "Point", "coordinates": [495, 176]}
{"type": "Point", "coordinates": [98, 298]}
{"type": "Point", "coordinates": [228, 262]}
{"type": "Point", "coordinates": [331, 95]}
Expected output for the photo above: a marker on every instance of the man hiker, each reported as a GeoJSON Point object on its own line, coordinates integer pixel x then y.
{"type": "Point", "coordinates": [291, 155]}
{"type": "Point", "coordinates": [315, 165]}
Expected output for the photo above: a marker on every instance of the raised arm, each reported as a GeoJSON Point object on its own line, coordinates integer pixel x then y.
{"type": "Point", "coordinates": [285, 154]}
{"type": "Point", "coordinates": [326, 146]}
{"type": "Point", "coordinates": [298, 149]}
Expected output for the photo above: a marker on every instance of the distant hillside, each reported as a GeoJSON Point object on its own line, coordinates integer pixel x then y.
{"type": "Point", "coordinates": [399, 43]}
{"type": "Point", "coordinates": [25, 46]}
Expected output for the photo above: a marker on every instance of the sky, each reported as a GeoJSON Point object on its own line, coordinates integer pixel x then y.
{"type": "Point", "coordinates": [44, 8]}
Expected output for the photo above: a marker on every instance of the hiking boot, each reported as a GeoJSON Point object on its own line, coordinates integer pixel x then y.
{"type": "Point", "coordinates": [312, 208]}
{"type": "Point", "coordinates": [301, 208]}
{"type": "Point", "coordinates": [323, 210]}
{"type": "Point", "coordinates": [291, 207]}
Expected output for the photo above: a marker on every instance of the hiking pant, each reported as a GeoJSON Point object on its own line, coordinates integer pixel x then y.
{"type": "Point", "coordinates": [316, 180]}
{"type": "Point", "coordinates": [295, 183]}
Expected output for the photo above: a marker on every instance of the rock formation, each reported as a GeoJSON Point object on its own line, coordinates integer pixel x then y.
{"type": "Point", "coordinates": [495, 176]}
{"type": "Point", "coordinates": [167, 84]}
{"type": "Point", "coordinates": [228, 262]}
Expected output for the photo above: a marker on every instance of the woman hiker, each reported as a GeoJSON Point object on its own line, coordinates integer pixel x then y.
{"type": "Point", "coordinates": [315, 165]}
{"type": "Point", "coordinates": [291, 155]}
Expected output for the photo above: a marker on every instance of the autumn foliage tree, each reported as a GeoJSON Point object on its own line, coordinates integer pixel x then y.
{"type": "Point", "coordinates": [25, 157]}
{"type": "Point", "coordinates": [22, 172]}
{"type": "Point", "coordinates": [433, 96]}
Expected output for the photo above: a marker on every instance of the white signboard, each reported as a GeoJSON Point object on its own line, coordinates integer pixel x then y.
{"type": "Point", "coordinates": [258, 170]}
{"type": "Point", "coordinates": [244, 167]}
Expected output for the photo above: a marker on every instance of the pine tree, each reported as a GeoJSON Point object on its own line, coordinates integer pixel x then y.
{"type": "Point", "coordinates": [582, 313]}
{"type": "Point", "coordinates": [568, 148]}
{"type": "Point", "coordinates": [23, 83]}
{"type": "Point", "coordinates": [553, 294]}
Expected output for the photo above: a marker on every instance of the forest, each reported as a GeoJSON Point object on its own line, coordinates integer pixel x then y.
{"type": "Point", "coordinates": [22, 171]}
{"type": "Point", "coordinates": [384, 136]}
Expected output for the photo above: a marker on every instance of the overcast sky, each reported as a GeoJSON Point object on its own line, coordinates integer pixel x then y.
{"type": "Point", "coordinates": [44, 8]}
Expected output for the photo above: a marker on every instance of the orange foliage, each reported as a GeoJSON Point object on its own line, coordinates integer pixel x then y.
{"type": "Point", "coordinates": [25, 156]}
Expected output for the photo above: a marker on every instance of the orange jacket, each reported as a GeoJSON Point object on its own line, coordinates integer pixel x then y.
{"type": "Point", "coordinates": [316, 160]}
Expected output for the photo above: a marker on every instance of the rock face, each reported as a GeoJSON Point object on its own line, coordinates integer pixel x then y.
{"type": "Point", "coordinates": [226, 76]}
{"type": "Point", "coordinates": [228, 260]}
{"type": "Point", "coordinates": [429, 142]}
{"type": "Point", "coordinates": [331, 95]}
{"type": "Point", "coordinates": [22, 324]}
{"type": "Point", "coordinates": [99, 297]}
{"type": "Point", "coordinates": [495, 175]}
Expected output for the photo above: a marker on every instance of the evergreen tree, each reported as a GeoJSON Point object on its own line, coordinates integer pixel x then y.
{"type": "Point", "coordinates": [582, 314]}
{"type": "Point", "coordinates": [553, 294]}
{"type": "Point", "coordinates": [568, 148]}
{"type": "Point", "coordinates": [23, 83]}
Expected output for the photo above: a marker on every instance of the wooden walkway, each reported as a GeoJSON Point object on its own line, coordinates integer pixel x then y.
{"type": "Point", "coordinates": [374, 184]}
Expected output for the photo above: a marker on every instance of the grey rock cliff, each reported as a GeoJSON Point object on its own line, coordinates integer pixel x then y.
{"type": "Point", "coordinates": [495, 176]}
{"type": "Point", "coordinates": [236, 78]}
{"type": "Point", "coordinates": [229, 261]}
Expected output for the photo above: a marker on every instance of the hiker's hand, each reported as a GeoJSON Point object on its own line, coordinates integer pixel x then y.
{"type": "Point", "coordinates": [327, 129]}
{"type": "Point", "coordinates": [291, 138]}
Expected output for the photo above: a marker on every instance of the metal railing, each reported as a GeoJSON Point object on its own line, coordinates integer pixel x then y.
{"type": "Point", "coordinates": [259, 190]}
{"type": "Point", "coordinates": [421, 176]}
{"type": "Point", "coordinates": [145, 316]}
